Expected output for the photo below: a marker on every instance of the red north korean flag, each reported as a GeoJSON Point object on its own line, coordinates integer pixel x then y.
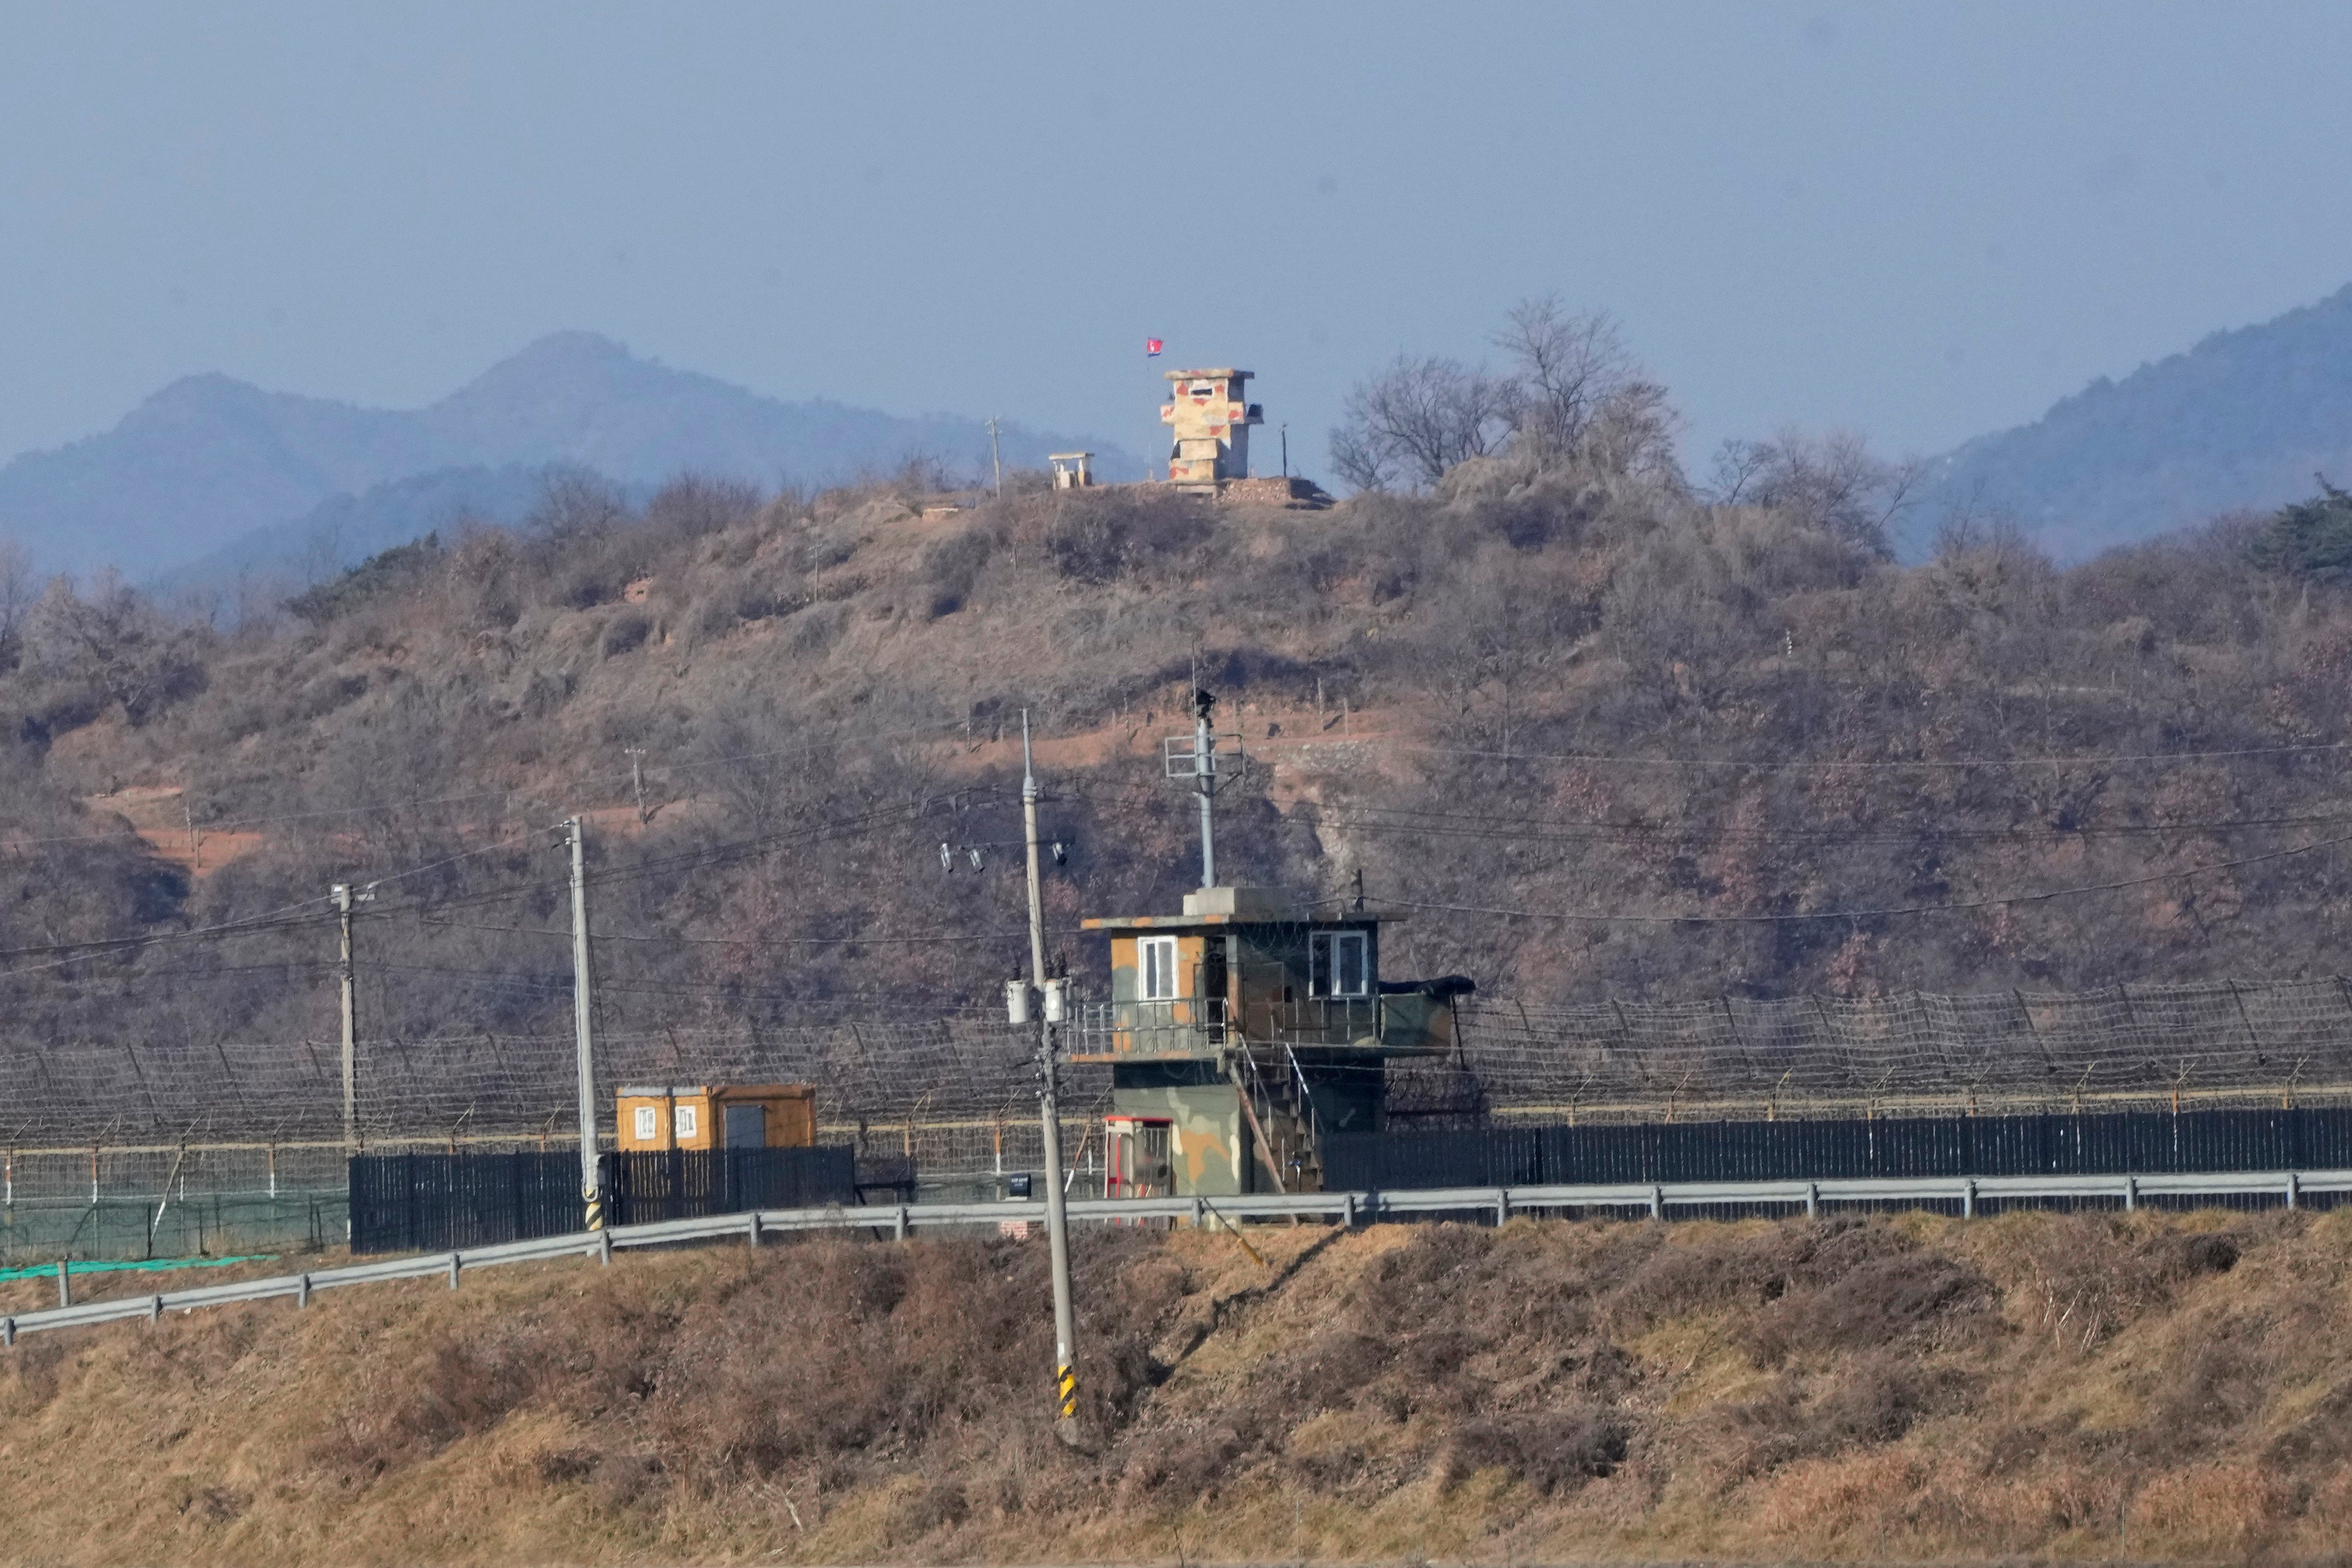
{"type": "Point", "coordinates": [1151, 347]}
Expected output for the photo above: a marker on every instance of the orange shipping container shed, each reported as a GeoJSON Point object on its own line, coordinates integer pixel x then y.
{"type": "Point", "coordinates": [717, 1116]}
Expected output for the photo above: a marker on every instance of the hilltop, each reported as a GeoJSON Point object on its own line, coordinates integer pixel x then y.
{"type": "Point", "coordinates": [1596, 736]}
{"type": "Point", "coordinates": [189, 475]}
{"type": "Point", "coordinates": [2057, 1387]}
{"type": "Point", "coordinates": [2242, 421]}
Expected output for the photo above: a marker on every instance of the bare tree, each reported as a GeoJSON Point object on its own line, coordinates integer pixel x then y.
{"type": "Point", "coordinates": [576, 504]}
{"type": "Point", "coordinates": [1569, 366]}
{"type": "Point", "coordinates": [115, 640]}
{"type": "Point", "coordinates": [1573, 395]}
{"type": "Point", "coordinates": [1418, 418]}
{"type": "Point", "coordinates": [1831, 483]}
{"type": "Point", "coordinates": [16, 596]}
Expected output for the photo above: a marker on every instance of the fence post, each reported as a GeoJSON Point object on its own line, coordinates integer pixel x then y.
{"type": "Point", "coordinates": [1968, 1199]}
{"type": "Point", "coordinates": [8, 1333]}
{"type": "Point", "coordinates": [1813, 1199]}
{"type": "Point", "coordinates": [1502, 1205]}
{"type": "Point", "coordinates": [154, 1309]}
{"type": "Point", "coordinates": [754, 1229]}
{"type": "Point", "coordinates": [302, 1290]}
{"type": "Point", "coordinates": [1657, 1202]}
{"type": "Point", "coordinates": [2293, 1189]}
{"type": "Point", "coordinates": [1347, 1210]}
{"type": "Point", "coordinates": [65, 1286]}
{"type": "Point", "coordinates": [604, 1247]}
{"type": "Point", "coordinates": [2131, 1193]}
{"type": "Point", "coordinates": [453, 1271]}
{"type": "Point", "coordinates": [898, 1225]}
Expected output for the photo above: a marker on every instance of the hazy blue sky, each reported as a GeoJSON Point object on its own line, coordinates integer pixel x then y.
{"type": "Point", "coordinates": [1922, 221]}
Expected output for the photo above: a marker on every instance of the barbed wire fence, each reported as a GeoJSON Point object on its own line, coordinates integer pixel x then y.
{"type": "Point", "coordinates": [2136, 1047]}
{"type": "Point", "coordinates": [90, 1118]}
{"type": "Point", "coordinates": [126, 1117]}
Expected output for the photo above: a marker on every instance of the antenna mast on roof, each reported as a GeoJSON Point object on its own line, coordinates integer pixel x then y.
{"type": "Point", "coordinates": [1194, 757]}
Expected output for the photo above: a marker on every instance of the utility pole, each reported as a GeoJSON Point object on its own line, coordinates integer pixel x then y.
{"type": "Point", "coordinates": [344, 899]}
{"type": "Point", "coordinates": [1195, 762]}
{"type": "Point", "coordinates": [1204, 777]}
{"type": "Point", "coordinates": [997, 457]}
{"type": "Point", "coordinates": [638, 781]}
{"type": "Point", "coordinates": [590, 1188]}
{"type": "Point", "coordinates": [1057, 1219]}
{"type": "Point", "coordinates": [341, 893]}
{"type": "Point", "coordinates": [1285, 450]}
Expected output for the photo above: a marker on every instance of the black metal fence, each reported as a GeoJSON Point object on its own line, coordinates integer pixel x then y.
{"type": "Point", "coordinates": [686, 1184]}
{"type": "Point", "coordinates": [432, 1203]}
{"type": "Point", "coordinates": [2107, 1142]}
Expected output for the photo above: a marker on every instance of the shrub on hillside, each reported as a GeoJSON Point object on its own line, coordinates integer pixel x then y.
{"type": "Point", "coordinates": [1100, 536]}
{"type": "Point", "coordinates": [2311, 539]}
{"type": "Point", "coordinates": [952, 565]}
{"type": "Point", "coordinates": [404, 567]}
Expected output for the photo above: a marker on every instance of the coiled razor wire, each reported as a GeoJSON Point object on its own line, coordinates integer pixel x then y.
{"type": "Point", "coordinates": [2149, 1042]}
{"type": "Point", "coordinates": [1744, 1056]}
{"type": "Point", "coordinates": [507, 1086]}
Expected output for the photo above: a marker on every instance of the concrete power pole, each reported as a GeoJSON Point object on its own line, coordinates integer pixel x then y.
{"type": "Point", "coordinates": [341, 893]}
{"type": "Point", "coordinates": [1057, 1219]}
{"type": "Point", "coordinates": [996, 456]}
{"type": "Point", "coordinates": [590, 1187]}
{"type": "Point", "coordinates": [1204, 774]}
{"type": "Point", "coordinates": [344, 899]}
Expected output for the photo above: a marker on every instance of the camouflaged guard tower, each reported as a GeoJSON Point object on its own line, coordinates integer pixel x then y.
{"type": "Point", "coordinates": [1209, 416]}
{"type": "Point", "coordinates": [1243, 1032]}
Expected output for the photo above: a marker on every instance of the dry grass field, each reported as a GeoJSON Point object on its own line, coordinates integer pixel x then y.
{"type": "Point", "coordinates": [2071, 1387]}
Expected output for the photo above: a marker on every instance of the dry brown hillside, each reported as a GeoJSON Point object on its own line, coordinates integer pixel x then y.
{"type": "Point", "coordinates": [1890, 1389]}
{"type": "Point", "coordinates": [1544, 689]}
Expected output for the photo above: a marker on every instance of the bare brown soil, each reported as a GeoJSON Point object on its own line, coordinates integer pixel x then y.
{"type": "Point", "coordinates": [1915, 1389]}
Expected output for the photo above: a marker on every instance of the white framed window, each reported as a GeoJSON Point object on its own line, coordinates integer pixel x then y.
{"type": "Point", "coordinates": [648, 1124]}
{"type": "Point", "coordinates": [687, 1123]}
{"type": "Point", "coordinates": [1337, 967]}
{"type": "Point", "coordinates": [1155, 968]}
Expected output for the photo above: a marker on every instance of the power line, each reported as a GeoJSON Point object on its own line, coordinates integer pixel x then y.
{"type": "Point", "coordinates": [1466, 825]}
{"type": "Point", "coordinates": [737, 941]}
{"type": "Point", "coordinates": [236, 824]}
{"type": "Point", "coordinates": [64, 953]}
{"type": "Point", "coordinates": [1857, 915]}
{"type": "Point", "coordinates": [1836, 763]}
{"type": "Point", "coordinates": [74, 951]}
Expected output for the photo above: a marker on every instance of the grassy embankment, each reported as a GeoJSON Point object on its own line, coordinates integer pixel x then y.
{"type": "Point", "coordinates": [2084, 1387]}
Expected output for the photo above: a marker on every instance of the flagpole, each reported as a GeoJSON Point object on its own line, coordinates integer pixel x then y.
{"type": "Point", "coordinates": [1151, 347]}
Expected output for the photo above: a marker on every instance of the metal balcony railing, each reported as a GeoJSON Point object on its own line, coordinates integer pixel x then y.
{"type": "Point", "coordinates": [1175, 1026]}
{"type": "Point", "coordinates": [1317, 1020]}
{"type": "Point", "coordinates": [1199, 1026]}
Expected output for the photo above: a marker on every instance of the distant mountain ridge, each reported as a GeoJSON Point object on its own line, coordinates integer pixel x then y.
{"type": "Point", "coordinates": [2243, 419]}
{"type": "Point", "coordinates": [192, 472]}
{"type": "Point", "coordinates": [350, 526]}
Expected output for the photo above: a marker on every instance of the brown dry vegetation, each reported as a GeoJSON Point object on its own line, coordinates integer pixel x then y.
{"type": "Point", "coordinates": [2085, 1387]}
{"type": "Point", "coordinates": [1529, 609]}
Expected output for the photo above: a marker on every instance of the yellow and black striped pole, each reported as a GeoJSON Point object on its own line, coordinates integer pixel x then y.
{"type": "Point", "coordinates": [1057, 1221]}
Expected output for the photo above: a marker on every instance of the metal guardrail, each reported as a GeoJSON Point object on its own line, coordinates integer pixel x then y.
{"type": "Point", "coordinates": [1350, 1208]}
